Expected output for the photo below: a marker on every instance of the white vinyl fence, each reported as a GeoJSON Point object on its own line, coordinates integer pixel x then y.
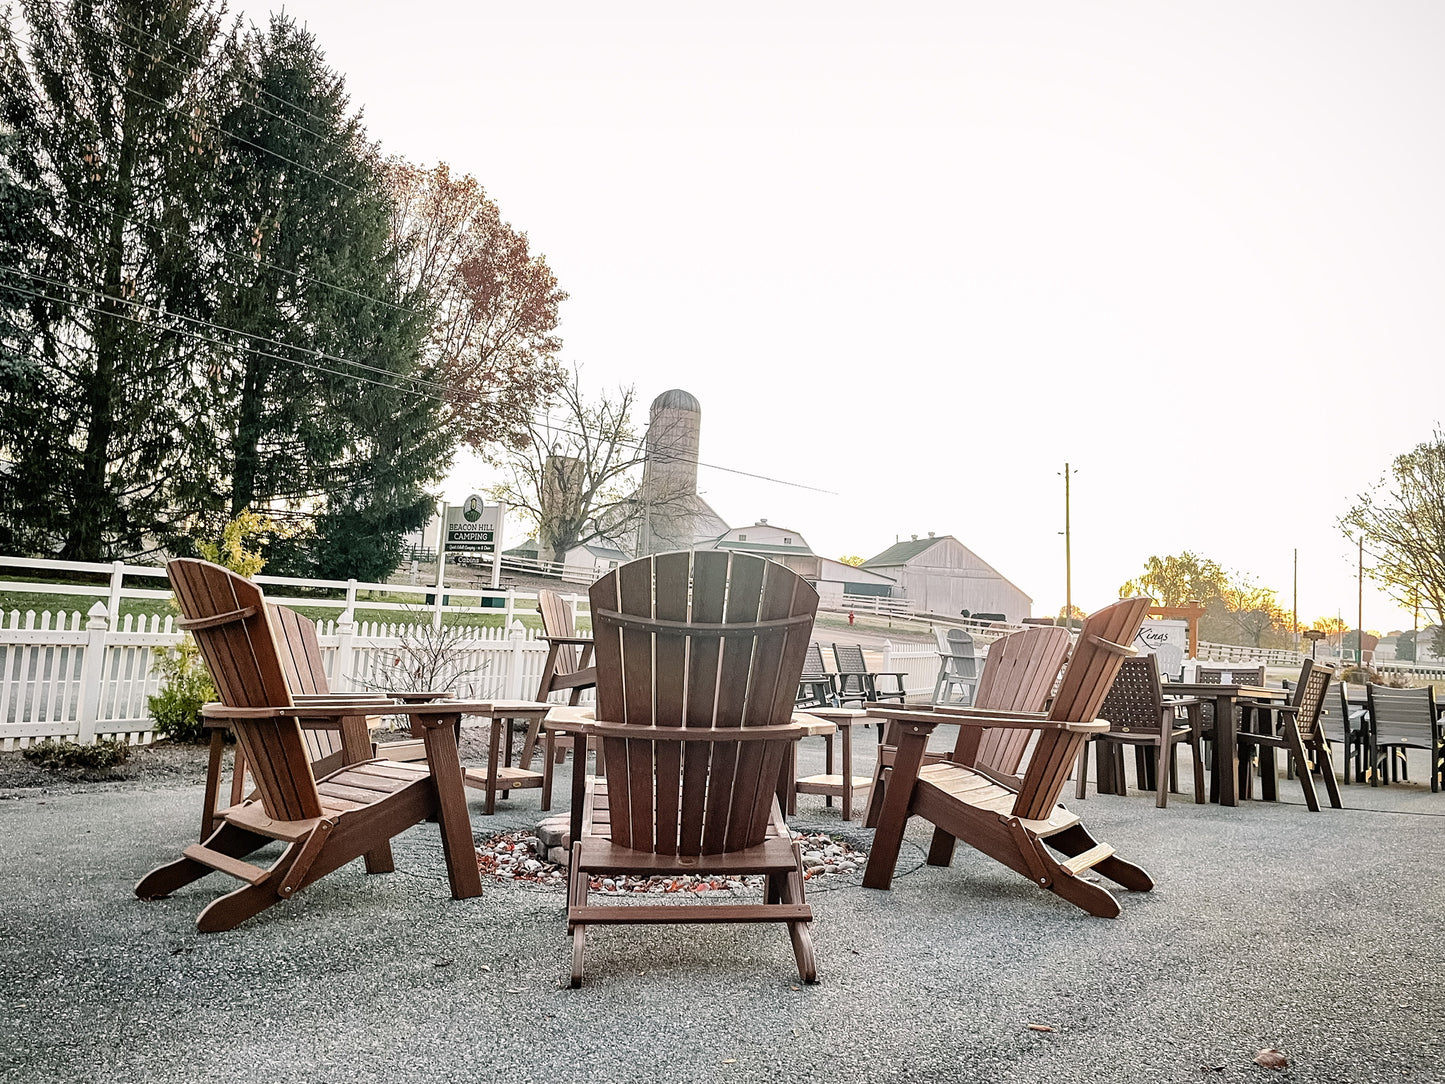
{"type": "Point", "coordinates": [72, 676]}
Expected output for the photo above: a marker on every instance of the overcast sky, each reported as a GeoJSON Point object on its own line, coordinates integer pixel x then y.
{"type": "Point", "coordinates": [921, 259]}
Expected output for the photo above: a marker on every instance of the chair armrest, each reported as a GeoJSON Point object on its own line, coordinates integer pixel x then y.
{"type": "Point", "coordinates": [581, 641]}
{"type": "Point", "coordinates": [964, 709]}
{"type": "Point", "coordinates": [986, 719]}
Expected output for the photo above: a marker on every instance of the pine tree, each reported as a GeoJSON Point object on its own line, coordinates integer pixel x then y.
{"type": "Point", "coordinates": [109, 111]}
{"type": "Point", "coordinates": [333, 413]}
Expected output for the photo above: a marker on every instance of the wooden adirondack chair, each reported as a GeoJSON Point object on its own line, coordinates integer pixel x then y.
{"type": "Point", "coordinates": [1018, 677]}
{"type": "Point", "coordinates": [698, 658]}
{"type": "Point", "coordinates": [350, 813]}
{"type": "Point", "coordinates": [305, 673]}
{"type": "Point", "coordinates": [568, 666]}
{"type": "Point", "coordinates": [1012, 820]}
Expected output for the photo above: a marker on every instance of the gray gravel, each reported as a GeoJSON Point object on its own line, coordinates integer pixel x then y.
{"type": "Point", "coordinates": [1317, 934]}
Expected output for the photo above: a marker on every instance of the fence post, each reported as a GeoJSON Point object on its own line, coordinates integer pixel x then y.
{"type": "Point", "coordinates": [518, 636]}
{"type": "Point", "coordinates": [351, 594]}
{"type": "Point", "coordinates": [113, 606]}
{"type": "Point", "coordinates": [510, 611]}
{"type": "Point", "coordinates": [887, 667]}
{"type": "Point", "coordinates": [92, 670]}
{"type": "Point", "coordinates": [345, 635]}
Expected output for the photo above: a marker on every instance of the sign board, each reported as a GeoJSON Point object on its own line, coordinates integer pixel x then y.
{"type": "Point", "coordinates": [474, 527]}
{"type": "Point", "coordinates": [1167, 638]}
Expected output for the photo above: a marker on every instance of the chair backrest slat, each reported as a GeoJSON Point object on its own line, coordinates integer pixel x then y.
{"type": "Point", "coordinates": [246, 665]}
{"type": "Point", "coordinates": [720, 654]}
{"type": "Point", "coordinates": [300, 651]}
{"type": "Point", "coordinates": [557, 621]}
{"type": "Point", "coordinates": [1095, 662]}
{"type": "Point", "coordinates": [1018, 675]}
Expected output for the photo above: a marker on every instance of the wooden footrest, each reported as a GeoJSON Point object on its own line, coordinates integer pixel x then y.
{"type": "Point", "coordinates": [224, 863]}
{"type": "Point", "coordinates": [830, 784]}
{"type": "Point", "coordinates": [1089, 859]}
{"type": "Point", "coordinates": [701, 912]}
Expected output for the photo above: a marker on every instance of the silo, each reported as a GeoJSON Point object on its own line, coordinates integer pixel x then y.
{"type": "Point", "coordinates": [669, 472]}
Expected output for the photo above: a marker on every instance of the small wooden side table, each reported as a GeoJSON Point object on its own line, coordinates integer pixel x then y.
{"type": "Point", "coordinates": [842, 785]}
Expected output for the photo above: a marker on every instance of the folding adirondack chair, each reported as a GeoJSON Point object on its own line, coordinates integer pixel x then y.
{"type": "Point", "coordinates": [350, 813]}
{"type": "Point", "coordinates": [1012, 820]}
{"type": "Point", "coordinates": [305, 673]}
{"type": "Point", "coordinates": [1018, 677]}
{"type": "Point", "coordinates": [568, 667]}
{"type": "Point", "coordinates": [957, 667]}
{"type": "Point", "coordinates": [1294, 727]}
{"type": "Point", "coordinates": [698, 658]}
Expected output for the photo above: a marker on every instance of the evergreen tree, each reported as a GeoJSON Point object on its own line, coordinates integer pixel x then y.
{"type": "Point", "coordinates": [334, 412]}
{"type": "Point", "coordinates": [108, 115]}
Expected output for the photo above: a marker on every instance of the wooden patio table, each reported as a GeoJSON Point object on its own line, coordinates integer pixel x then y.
{"type": "Point", "coordinates": [1224, 769]}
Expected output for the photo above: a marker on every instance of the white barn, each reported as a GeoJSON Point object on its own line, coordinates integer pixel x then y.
{"type": "Point", "coordinates": [941, 575]}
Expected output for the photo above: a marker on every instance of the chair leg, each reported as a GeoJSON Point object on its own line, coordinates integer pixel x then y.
{"type": "Point", "coordinates": [1163, 769]}
{"type": "Point", "coordinates": [940, 851]}
{"type": "Point", "coordinates": [549, 743]}
{"type": "Point", "coordinates": [1081, 769]}
{"type": "Point", "coordinates": [1196, 748]}
{"type": "Point", "coordinates": [1268, 773]}
{"type": "Point", "coordinates": [800, 933]}
{"type": "Point", "coordinates": [1327, 771]}
{"type": "Point", "coordinates": [1297, 755]}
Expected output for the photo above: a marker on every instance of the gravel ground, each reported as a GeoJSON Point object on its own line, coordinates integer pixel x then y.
{"type": "Point", "coordinates": [1317, 934]}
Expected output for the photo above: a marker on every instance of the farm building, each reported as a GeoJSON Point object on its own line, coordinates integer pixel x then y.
{"type": "Point", "coordinates": [941, 575]}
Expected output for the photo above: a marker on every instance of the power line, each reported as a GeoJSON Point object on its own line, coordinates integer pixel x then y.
{"type": "Point", "coordinates": [228, 330]}
{"type": "Point", "coordinates": [635, 445]}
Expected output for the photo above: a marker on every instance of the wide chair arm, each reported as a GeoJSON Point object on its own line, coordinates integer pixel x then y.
{"type": "Point", "coordinates": [984, 719]}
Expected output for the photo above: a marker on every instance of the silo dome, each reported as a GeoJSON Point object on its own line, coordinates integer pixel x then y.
{"type": "Point", "coordinates": [676, 399]}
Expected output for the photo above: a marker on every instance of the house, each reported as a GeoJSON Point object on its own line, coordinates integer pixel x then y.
{"type": "Point", "coordinates": [941, 575]}
{"type": "Point", "coordinates": [780, 544]}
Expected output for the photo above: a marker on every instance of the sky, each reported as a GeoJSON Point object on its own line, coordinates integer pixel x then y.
{"type": "Point", "coordinates": [913, 259]}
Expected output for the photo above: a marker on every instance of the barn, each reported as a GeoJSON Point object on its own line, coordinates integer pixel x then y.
{"type": "Point", "coordinates": [940, 575]}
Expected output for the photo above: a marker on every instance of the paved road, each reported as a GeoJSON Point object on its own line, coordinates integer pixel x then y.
{"type": "Point", "coordinates": [1317, 934]}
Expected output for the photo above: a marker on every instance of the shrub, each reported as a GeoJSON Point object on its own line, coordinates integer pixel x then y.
{"type": "Point", "coordinates": [187, 687]}
{"type": "Point", "coordinates": [70, 756]}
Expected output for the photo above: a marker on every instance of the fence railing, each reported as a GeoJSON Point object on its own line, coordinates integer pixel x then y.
{"type": "Point", "coordinates": [77, 677]}
{"type": "Point", "coordinates": [1270, 656]}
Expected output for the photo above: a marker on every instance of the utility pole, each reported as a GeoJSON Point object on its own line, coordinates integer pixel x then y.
{"type": "Point", "coordinates": [1068, 558]}
{"type": "Point", "coordinates": [1360, 603]}
{"type": "Point", "coordinates": [1294, 604]}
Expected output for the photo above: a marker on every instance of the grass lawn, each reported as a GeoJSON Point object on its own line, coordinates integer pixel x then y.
{"type": "Point", "coordinates": [25, 601]}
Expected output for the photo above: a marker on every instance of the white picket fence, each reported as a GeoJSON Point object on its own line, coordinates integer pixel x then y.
{"type": "Point", "coordinates": [73, 676]}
